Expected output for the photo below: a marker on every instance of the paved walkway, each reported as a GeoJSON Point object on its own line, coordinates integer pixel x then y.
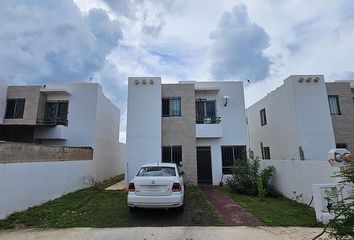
{"type": "Point", "coordinates": [231, 213]}
{"type": "Point", "coordinates": [163, 233]}
{"type": "Point", "coordinates": [116, 186]}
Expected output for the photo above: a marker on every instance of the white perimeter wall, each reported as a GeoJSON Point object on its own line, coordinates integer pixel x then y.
{"type": "Point", "coordinates": [27, 184]}
{"type": "Point", "coordinates": [297, 175]}
{"type": "Point", "coordinates": [297, 115]}
{"type": "Point", "coordinates": [143, 124]}
{"type": "Point", "coordinates": [233, 121]}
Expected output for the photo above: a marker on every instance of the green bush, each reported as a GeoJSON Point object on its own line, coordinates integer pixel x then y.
{"type": "Point", "coordinates": [246, 179]}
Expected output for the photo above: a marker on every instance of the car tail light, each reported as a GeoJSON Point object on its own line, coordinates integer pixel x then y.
{"type": "Point", "coordinates": [176, 187]}
{"type": "Point", "coordinates": [131, 187]}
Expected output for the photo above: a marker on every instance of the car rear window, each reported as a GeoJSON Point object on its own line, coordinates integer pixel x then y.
{"type": "Point", "coordinates": [157, 172]}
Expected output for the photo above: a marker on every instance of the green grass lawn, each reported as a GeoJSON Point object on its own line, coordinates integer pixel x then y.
{"type": "Point", "coordinates": [94, 207]}
{"type": "Point", "coordinates": [278, 211]}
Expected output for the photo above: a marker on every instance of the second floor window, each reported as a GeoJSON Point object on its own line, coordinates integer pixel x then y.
{"type": "Point", "coordinates": [334, 107]}
{"type": "Point", "coordinates": [15, 108]}
{"type": "Point", "coordinates": [263, 117]}
{"type": "Point", "coordinates": [56, 113]}
{"type": "Point", "coordinates": [205, 111]}
{"type": "Point", "coordinates": [171, 107]}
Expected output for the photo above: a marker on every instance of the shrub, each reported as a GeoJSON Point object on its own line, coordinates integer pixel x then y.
{"type": "Point", "coordinates": [247, 179]}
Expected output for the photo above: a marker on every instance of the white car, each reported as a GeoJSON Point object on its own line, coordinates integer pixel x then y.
{"type": "Point", "coordinates": [157, 186]}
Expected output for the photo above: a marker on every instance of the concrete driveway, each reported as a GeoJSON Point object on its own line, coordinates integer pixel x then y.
{"type": "Point", "coordinates": [163, 233]}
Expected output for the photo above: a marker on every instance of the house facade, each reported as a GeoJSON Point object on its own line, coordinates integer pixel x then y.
{"type": "Point", "coordinates": [341, 105]}
{"type": "Point", "coordinates": [202, 124]}
{"type": "Point", "coordinates": [73, 114]}
{"type": "Point", "coordinates": [302, 119]}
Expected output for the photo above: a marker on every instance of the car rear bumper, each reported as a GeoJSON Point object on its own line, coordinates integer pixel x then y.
{"type": "Point", "coordinates": [171, 201]}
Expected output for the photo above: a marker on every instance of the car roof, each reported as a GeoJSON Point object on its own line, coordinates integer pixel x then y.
{"type": "Point", "coordinates": [160, 164]}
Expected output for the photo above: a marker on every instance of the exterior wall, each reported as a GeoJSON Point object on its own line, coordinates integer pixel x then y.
{"type": "Point", "coordinates": [233, 120]}
{"type": "Point", "coordinates": [31, 94]}
{"type": "Point", "coordinates": [343, 125]}
{"type": "Point", "coordinates": [297, 115]}
{"type": "Point", "coordinates": [20, 152]}
{"type": "Point", "coordinates": [181, 130]}
{"type": "Point", "coordinates": [106, 146]}
{"type": "Point", "coordinates": [3, 92]}
{"type": "Point", "coordinates": [81, 114]}
{"type": "Point", "coordinates": [143, 124]}
{"type": "Point", "coordinates": [27, 184]}
{"type": "Point", "coordinates": [296, 175]}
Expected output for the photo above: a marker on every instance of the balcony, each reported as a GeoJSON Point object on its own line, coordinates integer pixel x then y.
{"type": "Point", "coordinates": [52, 121]}
{"type": "Point", "coordinates": [47, 132]}
{"type": "Point", "coordinates": [208, 120]}
{"type": "Point", "coordinates": [208, 127]}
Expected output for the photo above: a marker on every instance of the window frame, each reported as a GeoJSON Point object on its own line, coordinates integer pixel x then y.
{"type": "Point", "coordinates": [228, 169]}
{"type": "Point", "coordinates": [263, 116]}
{"type": "Point", "coordinates": [17, 102]}
{"type": "Point", "coordinates": [266, 151]}
{"type": "Point", "coordinates": [175, 153]}
{"type": "Point", "coordinates": [337, 103]}
{"type": "Point", "coordinates": [169, 106]}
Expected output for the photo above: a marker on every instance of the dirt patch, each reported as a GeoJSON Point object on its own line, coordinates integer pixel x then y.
{"type": "Point", "coordinates": [231, 213]}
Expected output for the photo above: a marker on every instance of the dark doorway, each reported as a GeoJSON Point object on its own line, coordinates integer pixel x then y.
{"type": "Point", "coordinates": [204, 165]}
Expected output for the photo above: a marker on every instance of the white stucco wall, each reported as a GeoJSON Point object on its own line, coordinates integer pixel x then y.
{"type": "Point", "coordinates": [297, 175]}
{"type": "Point", "coordinates": [233, 120]}
{"type": "Point", "coordinates": [3, 92]}
{"type": "Point", "coordinates": [143, 124]}
{"type": "Point", "coordinates": [106, 148]}
{"type": "Point", "coordinates": [297, 115]}
{"type": "Point", "coordinates": [27, 184]}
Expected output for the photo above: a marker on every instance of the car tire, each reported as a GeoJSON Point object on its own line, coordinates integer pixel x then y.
{"type": "Point", "coordinates": [180, 209]}
{"type": "Point", "coordinates": [132, 209]}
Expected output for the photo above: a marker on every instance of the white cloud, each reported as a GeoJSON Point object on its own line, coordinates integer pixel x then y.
{"type": "Point", "coordinates": [47, 41]}
{"type": "Point", "coordinates": [238, 47]}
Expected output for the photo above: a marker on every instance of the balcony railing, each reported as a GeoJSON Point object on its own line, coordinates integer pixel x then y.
{"type": "Point", "coordinates": [208, 120]}
{"type": "Point", "coordinates": [53, 121]}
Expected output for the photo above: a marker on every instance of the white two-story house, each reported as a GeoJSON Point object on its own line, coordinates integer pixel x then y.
{"type": "Point", "coordinates": [202, 124]}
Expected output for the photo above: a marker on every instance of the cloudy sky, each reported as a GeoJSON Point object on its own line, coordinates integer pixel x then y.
{"type": "Point", "coordinates": [108, 40]}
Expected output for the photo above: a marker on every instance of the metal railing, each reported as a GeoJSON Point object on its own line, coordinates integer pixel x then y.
{"type": "Point", "coordinates": [53, 121]}
{"type": "Point", "coordinates": [208, 120]}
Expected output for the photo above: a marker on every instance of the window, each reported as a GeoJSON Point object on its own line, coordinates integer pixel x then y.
{"type": "Point", "coordinates": [172, 154]}
{"type": "Point", "coordinates": [263, 117]}
{"type": "Point", "coordinates": [342, 145]}
{"type": "Point", "coordinates": [171, 107]}
{"type": "Point", "coordinates": [334, 105]}
{"type": "Point", "coordinates": [230, 155]}
{"type": "Point", "coordinates": [56, 113]}
{"type": "Point", "coordinates": [15, 108]}
{"type": "Point", "coordinates": [205, 111]}
{"type": "Point", "coordinates": [157, 172]}
{"type": "Point", "coordinates": [266, 152]}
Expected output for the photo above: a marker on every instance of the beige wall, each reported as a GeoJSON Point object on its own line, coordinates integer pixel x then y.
{"type": "Point", "coordinates": [181, 130]}
{"type": "Point", "coordinates": [31, 94]}
{"type": "Point", "coordinates": [11, 152]}
{"type": "Point", "coordinates": [343, 125]}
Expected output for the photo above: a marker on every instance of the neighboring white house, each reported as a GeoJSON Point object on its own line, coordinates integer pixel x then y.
{"type": "Point", "coordinates": [72, 114]}
{"type": "Point", "coordinates": [202, 124]}
{"type": "Point", "coordinates": [293, 121]}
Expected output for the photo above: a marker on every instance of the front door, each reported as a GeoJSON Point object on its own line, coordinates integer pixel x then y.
{"type": "Point", "coordinates": [204, 165]}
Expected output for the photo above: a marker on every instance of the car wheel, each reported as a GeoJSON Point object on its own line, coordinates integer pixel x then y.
{"type": "Point", "coordinates": [180, 209]}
